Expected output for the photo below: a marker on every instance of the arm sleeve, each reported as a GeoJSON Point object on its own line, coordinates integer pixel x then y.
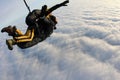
{"type": "Point", "coordinates": [55, 7]}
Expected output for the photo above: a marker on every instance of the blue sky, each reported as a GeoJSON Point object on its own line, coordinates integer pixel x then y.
{"type": "Point", "coordinates": [13, 10]}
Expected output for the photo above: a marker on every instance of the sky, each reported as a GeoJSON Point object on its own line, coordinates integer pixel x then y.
{"type": "Point", "coordinates": [12, 10]}
{"type": "Point", "coordinates": [85, 46]}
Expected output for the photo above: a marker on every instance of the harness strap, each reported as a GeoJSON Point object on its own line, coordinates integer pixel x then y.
{"type": "Point", "coordinates": [27, 6]}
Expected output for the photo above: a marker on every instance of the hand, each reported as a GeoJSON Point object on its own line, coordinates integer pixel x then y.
{"type": "Point", "coordinates": [65, 2]}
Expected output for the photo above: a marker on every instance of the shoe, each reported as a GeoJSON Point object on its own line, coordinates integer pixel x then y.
{"type": "Point", "coordinates": [10, 30]}
{"type": "Point", "coordinates": [9, 44]}
{"type": "Point", "coordinates": [7, 29]}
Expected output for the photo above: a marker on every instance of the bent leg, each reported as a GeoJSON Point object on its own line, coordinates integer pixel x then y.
{"type": "Point", "coordinates": [18, 32]}
{"type": "Point", "coordinates": [25, 38]}
{"type": "Point", "coordinates": [11, 42]}
{"type": "Point", "coordinates": [29, 44]}
{"type": "Point", "coordinates": [12, 31]}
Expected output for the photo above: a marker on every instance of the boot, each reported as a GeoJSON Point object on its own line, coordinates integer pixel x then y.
{"type": "Point", "coordinates": [10, 43]}
{"type": "Point", "coordinates": [10, 30]}
{"type": "Point", "coordinates": [7, 29]}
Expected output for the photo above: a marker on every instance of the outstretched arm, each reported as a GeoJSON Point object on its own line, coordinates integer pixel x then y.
{"type": "Point", "coordinates": [56, 6]}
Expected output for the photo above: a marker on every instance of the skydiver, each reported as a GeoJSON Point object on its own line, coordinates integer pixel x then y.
{"type": "Point", "coordinates": [34, 19]}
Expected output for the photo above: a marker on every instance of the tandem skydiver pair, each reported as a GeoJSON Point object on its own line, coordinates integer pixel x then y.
{"type": "Point", "coordinates": [41, 24]}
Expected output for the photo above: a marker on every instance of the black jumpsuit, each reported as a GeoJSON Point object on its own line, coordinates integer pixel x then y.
{"type": "Point", "coordinates": [46, 24]}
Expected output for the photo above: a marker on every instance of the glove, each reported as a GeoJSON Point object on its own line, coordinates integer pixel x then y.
{"type": "Point", "coordinates": [65, 2]}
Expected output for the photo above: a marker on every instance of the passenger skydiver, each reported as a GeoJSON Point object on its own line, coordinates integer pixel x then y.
{"type": "Point", "coordinates": [41, 24]}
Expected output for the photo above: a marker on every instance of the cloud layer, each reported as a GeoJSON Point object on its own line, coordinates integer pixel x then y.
{"type": "Point", "coordinates": [85, 46]}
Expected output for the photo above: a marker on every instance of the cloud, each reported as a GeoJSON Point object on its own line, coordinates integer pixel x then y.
{"type": "Point", "coordinates": [76, 50]}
